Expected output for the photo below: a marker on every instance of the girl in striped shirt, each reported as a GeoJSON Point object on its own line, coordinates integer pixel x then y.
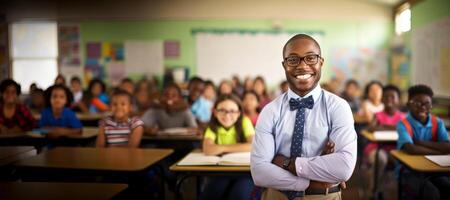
{"type": "Point", "coordinates": [120, 129]}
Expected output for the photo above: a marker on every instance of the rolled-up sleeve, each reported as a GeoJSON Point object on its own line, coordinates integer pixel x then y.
{"type": "Point", "coordinates": [338, 166]}
{"type": "Point", "coordinates": [264, 173]}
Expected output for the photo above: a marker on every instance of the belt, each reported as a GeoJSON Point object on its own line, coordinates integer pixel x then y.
{"type": "Point", "coordinates": [311, 191]}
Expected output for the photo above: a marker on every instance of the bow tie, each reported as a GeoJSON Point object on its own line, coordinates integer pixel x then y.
{"type": "Point", "coordinates": [295, 104]}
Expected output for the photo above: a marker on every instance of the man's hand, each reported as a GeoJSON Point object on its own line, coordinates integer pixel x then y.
{"type": "Point", "coordinates": [278, 160]}
{"type": "Point", "coordinates": [328, 149]}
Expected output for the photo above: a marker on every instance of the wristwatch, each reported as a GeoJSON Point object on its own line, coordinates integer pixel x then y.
{"type": "Point", "coordinates": [286, 163]}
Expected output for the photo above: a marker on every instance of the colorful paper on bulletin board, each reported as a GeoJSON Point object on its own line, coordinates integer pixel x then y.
{"type": "Point", "coordinates": [171, 49]}
{"type": "Point", "coordinates": [94, 71]}
{"type": "Point", "coordinates": [117, 51]}
{"type": "Point", "coordinates": [106, 49]}
{"type": "Point", "coordinates": [69, 45]}
{"type": "Point", "coordinates": [93, 49]}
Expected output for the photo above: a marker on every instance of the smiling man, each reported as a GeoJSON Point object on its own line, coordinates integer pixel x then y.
{"type": "Point", "coordinates": [305, 142]}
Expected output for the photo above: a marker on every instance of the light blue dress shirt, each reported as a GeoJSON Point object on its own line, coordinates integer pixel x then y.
{"type": "Point", "coordinates": [329, 119]}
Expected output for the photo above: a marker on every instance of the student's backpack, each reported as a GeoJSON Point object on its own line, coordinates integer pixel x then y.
{"type": "Point", "coordinates": [434, 126]}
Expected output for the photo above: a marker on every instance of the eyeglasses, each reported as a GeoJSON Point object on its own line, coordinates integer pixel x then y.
{"type": "Point", "coordinates": [294, 60]}
{"type": "Point", "coordinates": [418, 104]}
{"type": "Point", "coordinates": [225, 112]}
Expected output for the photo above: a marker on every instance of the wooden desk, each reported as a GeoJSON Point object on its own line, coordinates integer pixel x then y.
{"type": "Point", "coordinates": [380, 142]}
{"type": "Point", "coordinates": [57, 191]}
{"type": "Point", "coordinates": [184, 172]}
{"type": "Point", "coordinates": [418, 163]}
{"type": "Point", "coordinates": [87, 133]}
{"type": "Point", "coordinates": [14, 153]}
{"type": "Point", "coordinates": [95, 159]}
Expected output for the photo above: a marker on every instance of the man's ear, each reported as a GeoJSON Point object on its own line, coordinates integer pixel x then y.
{"type": "Point", "coordinates": [282, 64]}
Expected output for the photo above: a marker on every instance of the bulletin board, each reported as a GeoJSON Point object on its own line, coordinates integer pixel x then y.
{"type": "Point", "coordinates": [431, 56]}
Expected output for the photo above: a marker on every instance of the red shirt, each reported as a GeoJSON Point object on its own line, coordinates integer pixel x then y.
{"type": "Point", "coordinates": [22, 118]}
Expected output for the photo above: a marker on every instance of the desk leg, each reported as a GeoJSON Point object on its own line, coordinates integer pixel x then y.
{"type": "Point", "coordinates": [399, 189]}
{"type": "Point", "coordinates": [178, 186]}
{"type": "Point", "coordinates": [375, 173]}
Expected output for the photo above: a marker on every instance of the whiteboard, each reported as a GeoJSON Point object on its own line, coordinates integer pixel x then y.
{"type": "Point", "coordinates": [431, 56]}
{"type": "Point", "coordinates": [34, 40]}
{"type": "Point", "coordinates": [144, 57]}
{"type": "Point", "coordinates": [221, 55]}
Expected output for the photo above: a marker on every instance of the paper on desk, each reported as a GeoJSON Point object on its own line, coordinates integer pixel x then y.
{"type": "Point", "coordinates": [386, 135]}
{"type": "Point", "coordinates": [441, 160]}
{"type": "Point", "coordinates": [230, 159]}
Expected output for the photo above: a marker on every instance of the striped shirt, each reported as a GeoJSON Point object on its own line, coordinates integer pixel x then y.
{"type": "Point", "coordinates": [118, 134]}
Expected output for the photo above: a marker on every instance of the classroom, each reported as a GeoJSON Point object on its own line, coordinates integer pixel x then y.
{"type": "Point", "coordinates": [226, 99]}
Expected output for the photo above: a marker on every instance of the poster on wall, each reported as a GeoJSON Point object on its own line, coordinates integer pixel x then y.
{"type": "Point", "coordinates": [171, 49]}
{"type": "Point", "coordinates": [104, 60]}
{"type": "Point", "coordinates": [69, 45]}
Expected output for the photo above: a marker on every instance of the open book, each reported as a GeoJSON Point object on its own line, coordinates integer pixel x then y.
{"type": "Point", "coordinates": [386, 135]}
{"type": "Point", "coordinates": [230, 159]}
{"type": "Point", "coordinates": [441, 160]}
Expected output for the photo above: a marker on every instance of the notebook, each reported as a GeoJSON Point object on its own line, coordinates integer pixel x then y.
{"type": "Point", "coordinates": [441, 160]}
{"type": "Point", "coordinates": [386, 135]}
{"type": "Point", "coordinates": [230, 159]}
{"type": "Point", "coordinates": [177, 131]}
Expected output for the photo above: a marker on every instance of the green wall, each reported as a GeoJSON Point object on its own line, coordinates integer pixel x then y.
{"type": "Point", "coordinates": [343, 34]}
{"type": "Point", "coordinates": [428, 11]}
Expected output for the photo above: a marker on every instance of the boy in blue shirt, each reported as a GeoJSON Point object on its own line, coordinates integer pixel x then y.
{"type": "Point", "coordinates": [421, 133]}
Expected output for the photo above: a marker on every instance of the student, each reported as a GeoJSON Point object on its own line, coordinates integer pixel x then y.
{"type": "Point", "coordinates": [60, 80]}
{"type": "Point", "coordinates": [97, 99]}
{"type": "Point", "coordinates": [293, 130]}
{"type": "Point", "coordinates": [172, 112]}
{"type": "Point", "coordinates": [145, 94]}
{"type": "Point", "coordinates": [198, 105]}
{"type": "Point", "coordinates": [372, 102]}
{"type": "Point", "coordinates": [225, 87]}
{"type": "Point", "coordinates": [228, 131]}
{"type": "Point", "coordinates": [127, 85]}
{"type": "Point", "coordinates": [237, 86]}
{"type": "Point", "coordinates": [351, 94]}
{"type": "Point", "coordinates": [37, 104]}
{"type": "Point", "coordinates": [421, 133]}
{"type": "Point", "coordinates": [385, 120]}
{"type": "Point", "coordinates": [14, 116]}
{"type": "Point", "coordinates": [259, 86]}
{"type": "Point", "coordinates": [120, 129]}
{"type": "Point", "coordinates": [248, 84]}
{"type": "Point", "coordinates": [250, 105]}
{"type": "Point", "coordinates": [210, 92]}
{"type": "Point", "coordinates": [77, 90]}
{"type": "Point", "coordinates": [57, 119]}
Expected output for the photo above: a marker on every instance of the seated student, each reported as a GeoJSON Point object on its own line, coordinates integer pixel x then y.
{"type": "Point", "coordinates": [210, 93]}
{"type": "Point", "coordinates": [421, 133]}
{"type": "Point", "coordinates": [146, 93]}
{"type": "Point", "coordinates": [172, 112]}
{"type": "Point", "coordinates": [96, 99]}
{"type": "Point", "coordinates": [250, 105]}
{"type": "Point", "coordinates": [238, 88]}
{"type": "Point", "coordinates": [351, 94]}
{"type": "Point", "coordinates": [77, 90]}
{"type": "Point", "coordinates": [120, 129]}
{"type": "Point", "coordinates": [14, 116]}
{"type": "Point", "coordinates": [37, 104]}
{"type": "Point", "coordinates": [60, 80]}
{"type": "Point", "coordinates": [372, 102]}
{"type": "Point", "coordinates": [228, 131]}
{"type": "Point", "coordinates": [385, 120]}
{"type": "Point", "coordinates": [57, 119]}
{"type": "Point", "coordinates": [225, 87]}
{"type": "Point", "coordinates": [259, 86]}
{"type": "Point", "coordinates": [198, 104]}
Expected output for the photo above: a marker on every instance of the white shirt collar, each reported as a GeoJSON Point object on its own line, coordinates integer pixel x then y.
{"type": "Point", "coordinates": [315, 93]}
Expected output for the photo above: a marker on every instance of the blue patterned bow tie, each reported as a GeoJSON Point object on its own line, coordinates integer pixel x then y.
{"type": "Point", "coordinates": [295, 104]}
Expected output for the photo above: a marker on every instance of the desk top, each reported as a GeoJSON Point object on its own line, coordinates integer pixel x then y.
{"type": "Point", "coordinates": [98, 159]}
{"type": "Point", "coordinates": [369, 136]}
{"type": "Point", "coordinates": [208, 168]}
{"type": "Point", "coordinates": [418, 162]}
{"type": "Point", "coordinates": [57, 191]}
{"type": "Point", "coordinates": [88, 132]}
{"type": "Point", "coordinates": [9, 154]}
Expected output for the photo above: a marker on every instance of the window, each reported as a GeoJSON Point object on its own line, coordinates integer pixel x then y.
{"type": "Point", "coordinates": [34, 53]}
{"type": "Point", "coordinates": [403, 19]}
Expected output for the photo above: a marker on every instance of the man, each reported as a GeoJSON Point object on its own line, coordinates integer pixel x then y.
{"type": "Point", "coordinates": [305, 142]}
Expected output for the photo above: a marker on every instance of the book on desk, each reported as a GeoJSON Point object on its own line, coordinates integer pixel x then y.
{"type": "Point", "coordinates": [230, 159]}
{"type": "Point", "coordinates": [385, 135]}
{"type": "Point", "coordinates": [441, 160]}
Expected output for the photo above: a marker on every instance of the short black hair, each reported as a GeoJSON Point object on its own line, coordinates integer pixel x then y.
{"type": "Point", "coordinates": [9, 82]}
{"type": "Point", "coordinates": [420, 89]}
{"type": "Point", "coordinates": [120, 92]}
{"type": "Point", "coordinates": [48, 94]}
{"type": "Point", "coordinates": [173, 85]}
{"type": "Point", "coordinates": [95, 81]}
{"type": "Point", "coordinates": [75, 78]}
{"type": "Point", "coordinates": [350, 82]}
{"type": "Point", "coordinates": [301, 36]}
{"type": "Point", "coordinates": [391, 87]}
{"type": "Point", "coordinates": [366, 89]}
{"type": "Point", "coordinates": [195, 79]}
{"type": "Point", "coordinates": [127, 80]}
